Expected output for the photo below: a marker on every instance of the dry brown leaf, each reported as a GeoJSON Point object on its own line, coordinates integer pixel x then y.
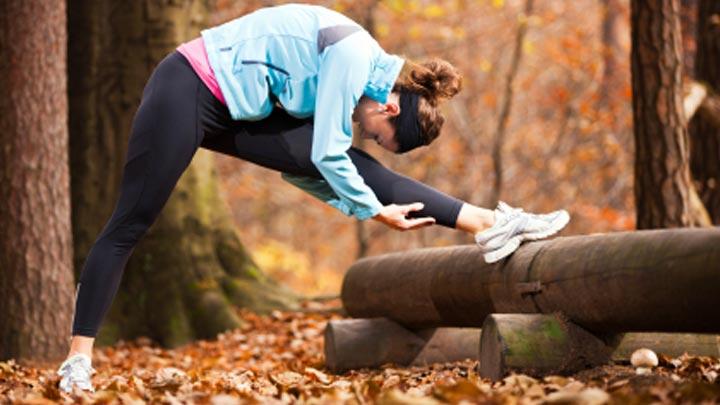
{"type": "Point", "coordinates": [169, 378]}
{"type": "Point", "coordinates": [588, 396]}
{"type": "Point", "coordinates": [397, 397]}
{"type": "Point", "coordinates": [391, 381]}
{"type": "Point", "coordinates": [461, 390]}
{"type": "Point", "coordinates": [224, 399]}
{"type": "Point", "coordinates": [287, 378]}
{"type": "Point", "coordinates": [318, 375]}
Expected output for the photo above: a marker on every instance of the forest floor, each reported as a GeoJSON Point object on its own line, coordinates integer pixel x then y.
{"type": "Point", "coordinates": [278, 359]}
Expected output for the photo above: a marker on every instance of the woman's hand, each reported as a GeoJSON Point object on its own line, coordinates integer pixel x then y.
{"type": "Point", "coordinates": [394, 216]}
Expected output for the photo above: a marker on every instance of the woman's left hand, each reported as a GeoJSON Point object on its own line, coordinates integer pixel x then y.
{"type": "Point", "coordinates": [395, 216]}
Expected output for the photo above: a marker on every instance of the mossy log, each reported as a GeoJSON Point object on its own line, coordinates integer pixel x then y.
{"type": "Point", "coordinates": [359, 343]}
{"type": "Point", "coordinates": [537, 345]}
{"type": "Point", "coordinates": [652, 281]}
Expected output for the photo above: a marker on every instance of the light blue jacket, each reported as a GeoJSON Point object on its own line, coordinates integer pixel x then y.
{"type": "Point", "coordinates": [314, 62]}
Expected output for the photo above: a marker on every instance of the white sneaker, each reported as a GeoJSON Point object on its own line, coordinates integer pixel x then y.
{"type": "Point", "coordinates": [76, 371]}
{"type": "Point", "coordinates": [513, 226]}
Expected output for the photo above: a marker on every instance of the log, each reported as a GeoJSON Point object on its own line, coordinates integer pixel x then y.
{"type": "Point", "coordinates": [538, 345]}
{"type": "Point", "coordinates": [371, 343]}
{"type": "Point", "coordinates": [642, 281]}
{"type": "Point", "coordinates": [359, 343]}
{"type": "Point", "coordinates": [669, 344]}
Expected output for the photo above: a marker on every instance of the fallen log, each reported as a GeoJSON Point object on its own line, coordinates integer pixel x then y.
{"type": "Point", "coordinates": [656, 280]}
{"type": "Point", "coordinates": [538, 345]}
{"type": "Point", "coordinates": [358, 343]}
{"type": "Point", "coordinates": [669, 344]}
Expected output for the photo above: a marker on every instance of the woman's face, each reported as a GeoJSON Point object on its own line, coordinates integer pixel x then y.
{"type": "Point", "coordinates": [373, 119]}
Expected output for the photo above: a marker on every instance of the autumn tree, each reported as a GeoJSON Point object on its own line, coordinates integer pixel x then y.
{"type": "Point", "coordinates": [506, 106]}
{"type": "Point", "coordinates": [186, 273]}
{"type": "Point", "coordinates": [36, 288]}
{"type": "Point", "coordinates": [663, 192]}
{"type": "Point", "coordinates": [704, 128]}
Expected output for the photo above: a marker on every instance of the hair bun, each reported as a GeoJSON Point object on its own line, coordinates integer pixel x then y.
{"type": "Point", "coordinates": [435, 79]}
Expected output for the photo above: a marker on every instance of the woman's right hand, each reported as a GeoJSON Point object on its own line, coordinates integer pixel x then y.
{"type": "Point", "coordinates": [395, 216]}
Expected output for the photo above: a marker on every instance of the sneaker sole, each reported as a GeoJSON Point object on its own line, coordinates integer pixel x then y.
{"type": "Point", "coordinates": [506, 250]}
{"type": "Point", "coordinates": [555, 227]}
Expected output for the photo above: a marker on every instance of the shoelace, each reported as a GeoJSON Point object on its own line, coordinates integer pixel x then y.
{"type": "Point", "coordinates": [509, 211]}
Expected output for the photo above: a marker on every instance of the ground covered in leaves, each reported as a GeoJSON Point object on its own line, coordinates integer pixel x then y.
{"type": "Point", "coordinates": [278, 359]}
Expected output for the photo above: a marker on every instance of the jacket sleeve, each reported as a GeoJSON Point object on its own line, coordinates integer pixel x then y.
{"type": "Point", "coordinates": [343, 73]}
{"type": "Point", "coordinates": [319, 189]}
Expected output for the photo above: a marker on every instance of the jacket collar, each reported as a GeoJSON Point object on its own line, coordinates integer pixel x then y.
{"type": "Point", "coordinates": [385, 71]}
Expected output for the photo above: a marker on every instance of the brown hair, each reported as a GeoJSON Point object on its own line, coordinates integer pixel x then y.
{"type": "Point", "coordinates": [434, 80]}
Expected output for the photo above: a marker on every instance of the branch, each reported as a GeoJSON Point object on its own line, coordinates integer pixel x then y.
{"type": "Point", "coordinates": [700, 99]}
{"type": "Point", "coordinates": [695, 94]}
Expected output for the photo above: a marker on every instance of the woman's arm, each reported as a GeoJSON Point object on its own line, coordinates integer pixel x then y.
{"type": "Point", "coordinates": [344, 71]}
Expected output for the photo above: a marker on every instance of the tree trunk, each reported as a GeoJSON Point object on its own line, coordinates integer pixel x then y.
{"type": "Point", "coordinates": [704, 131]}
{"type": "Point", "coordinates": [363, 12]}
{"type": "Point", "coordinates": [611, 51]}
{"type": "Point", "coordinates": [185, 274]}
{"type": "Point", "coordinates": [36, 279]}
{"type": "Point", "coordinates": [642, 281]}
{"type": "Point", "coordinates": [662, 177]}
{"type": "Point", "coordinates": [506, 106]}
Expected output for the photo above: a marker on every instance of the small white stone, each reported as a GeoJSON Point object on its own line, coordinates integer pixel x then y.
{"type": "Point", "coordinates": [644, 358]}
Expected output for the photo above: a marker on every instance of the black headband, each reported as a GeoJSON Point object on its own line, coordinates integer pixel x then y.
{"type": "Point", "coordinates": [407, 124]}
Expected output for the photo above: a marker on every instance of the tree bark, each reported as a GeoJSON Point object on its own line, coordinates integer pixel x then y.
{"type": "Point", "coordinates": [36, 284]}
{"type": "Point", "coordinates": [662, 177]}
{"type": "Point", "coordinates": [704, 130]}
{"type": "Point", "coordinates": [646, 281]}
{"type": "Point", "coordinates": [185, 274]}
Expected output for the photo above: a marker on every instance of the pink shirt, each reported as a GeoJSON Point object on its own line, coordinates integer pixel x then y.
{"type": "Point", "coordinates": [195, 53]}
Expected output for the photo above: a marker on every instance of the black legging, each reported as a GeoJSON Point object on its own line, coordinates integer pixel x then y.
{"type": "Point", "coordinates": [177, 115]}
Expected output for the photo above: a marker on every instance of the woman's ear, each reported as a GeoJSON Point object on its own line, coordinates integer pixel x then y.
{"type": "Point", "coordinates": [392, 109]}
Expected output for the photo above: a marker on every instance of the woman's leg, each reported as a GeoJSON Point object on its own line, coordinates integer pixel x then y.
{"type": "Point", "coordinates": [283, 143]}
{"type": "Point", "coordinates": [163, 140]}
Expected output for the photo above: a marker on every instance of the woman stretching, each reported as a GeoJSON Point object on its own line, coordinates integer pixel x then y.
{"type": "Point", "coordinates": [280, 87]}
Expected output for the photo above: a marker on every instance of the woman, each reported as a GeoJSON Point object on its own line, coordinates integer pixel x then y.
{"type": "Point", "coordinates": [281, 87]}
